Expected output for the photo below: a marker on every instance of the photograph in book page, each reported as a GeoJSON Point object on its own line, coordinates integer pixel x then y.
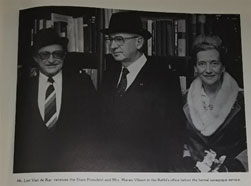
{"type": "Point", "coordinates": [109, 90]}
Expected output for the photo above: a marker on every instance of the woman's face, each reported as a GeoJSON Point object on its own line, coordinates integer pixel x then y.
{"type": "Point", "coordinates": [209, 67]}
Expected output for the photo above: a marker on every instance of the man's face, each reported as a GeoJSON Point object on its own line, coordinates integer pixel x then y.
{"type": "Point", "coordinates": [209, 67]}
{"type": "Point", "coordinates": [50, 59]}
{"type": "Point", "coordinates": [125, 51]}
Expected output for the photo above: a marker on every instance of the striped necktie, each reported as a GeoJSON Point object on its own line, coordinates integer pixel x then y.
{"type": "Point", "coordinates": [50, 108]}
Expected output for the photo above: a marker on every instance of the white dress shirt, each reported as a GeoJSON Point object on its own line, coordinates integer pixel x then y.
{"type": "Point", "coordinates": [42, 87]}
{"type": "Point", "coordinates": [134, 69]}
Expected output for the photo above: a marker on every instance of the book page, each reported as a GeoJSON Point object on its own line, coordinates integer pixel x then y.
{"type": "Point", "coordinates": [9, 25]}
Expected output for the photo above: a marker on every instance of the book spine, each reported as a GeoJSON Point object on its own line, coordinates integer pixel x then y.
{"type": "Point", "coordinates": [32, 36]}
{"type": "Point", "coordinates": [64, 25]}
{"type": "Point", "coordinates": [150, 41]}
{"type": "Point", "coordinates": [87, 36]}
{"type": "Point", "coordinates": [93, 34]}
{"type": "Point", "coordinates": [80, 34]}
{"type": "Point", "coordinates": [70, 35]}
{"type": "Point", "coordinates": [201, 21]}
{"type": "Point", "coordinates": [35, 26]}
{"type": "Point", "coordinates": [154, 38]}
{"type": "Point", "coordinates": [181, 37]}
{"type": "Point", "coordinates": [158, 38]}
{"type": "Point", "coordinates": [193, 26]}
{"type": "Point", "coordinates": [170, 38]}
{"type": "Point", "coordinates": [63, 29]}
{"type": "Point", "coordinates": [41, 24]}
{"type": "Point", "coordinates": [48, 24]}
{"type": "Point", "coordinates": [176, 37]}
{"type": "Point", "coordinates": [164, 38]}
{"type": "Point", "coordinates": [107, 17]}
{"type": "Point", "coordinates": [75, 23]}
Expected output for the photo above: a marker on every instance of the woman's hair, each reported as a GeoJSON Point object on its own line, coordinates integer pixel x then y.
{"type": "Point", "coordinates": [208, 42]}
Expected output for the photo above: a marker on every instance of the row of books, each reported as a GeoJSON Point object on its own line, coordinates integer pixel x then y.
{"type": "Point", "coordinates": [81, 31]}
{"type": "Point", "coordinates": [168, 37]}
{"type": "Point", "coordinates": [107, 16]}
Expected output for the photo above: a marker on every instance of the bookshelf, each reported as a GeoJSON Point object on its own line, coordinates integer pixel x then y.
{"type": "Point", "coordinates": [173, 35]}
{"type": "Point", "coordinates": [171, 43]}
{"type": "Point", "coordinates": [81, 27]}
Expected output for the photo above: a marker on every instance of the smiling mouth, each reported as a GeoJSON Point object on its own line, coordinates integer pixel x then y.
{"type": "Point", "coordinates": [51, 66]}
{"type": "Point", "coordinates": [54, 64]}
{"type": "Point", "coordinates": [209, 76]}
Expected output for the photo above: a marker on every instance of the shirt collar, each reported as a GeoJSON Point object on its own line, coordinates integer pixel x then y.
{"type": "Point", "coordinates": [56, 78]}
{"type": "Point", "coordinates": [137, 65]}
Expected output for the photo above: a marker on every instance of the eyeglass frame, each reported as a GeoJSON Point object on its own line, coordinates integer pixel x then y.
{"type": "Point", "coordinates": [110, 39]}
{"type": "Point", "coordinates": [53, 54]}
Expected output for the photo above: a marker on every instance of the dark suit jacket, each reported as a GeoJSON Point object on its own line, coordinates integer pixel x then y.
{"type": "Point", "coordinates": [36, 147]}
{"type": "Point", "coordinates": [143, 129]}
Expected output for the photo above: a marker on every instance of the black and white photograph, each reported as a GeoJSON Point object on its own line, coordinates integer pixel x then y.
{"type": "Point", "coordinates": [116, 90]}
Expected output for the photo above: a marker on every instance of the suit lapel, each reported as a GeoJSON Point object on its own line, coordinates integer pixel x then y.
{"type": "Point", "coordinates": [141, 80]}
{"type": "Point", "coordinates": [34, 96]}
{"type": "Point", "coordinates": [67, 98]}
{"type": "Point", "coordinates": [114, 78]}
{"type": "Point", "coordinates": [31, 102]}
{"type": "Point", "coordinates": [65, 94]}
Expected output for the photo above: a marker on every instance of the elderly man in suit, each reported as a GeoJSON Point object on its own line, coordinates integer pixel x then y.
{"type": "Point", "coordinates": [53, 107]}
{"type": "Point", "coordinates": [143, 119]}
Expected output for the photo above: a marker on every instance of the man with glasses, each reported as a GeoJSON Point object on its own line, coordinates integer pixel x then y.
{"type": "Point", "coordinates": [54, 107]}
{"type": "Point", "coordinates": [143, 120]}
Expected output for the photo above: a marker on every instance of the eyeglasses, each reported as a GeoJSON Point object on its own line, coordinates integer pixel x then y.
{"type": "Point", "coordinates": [119, 40]}
{"type": "Point", "coordinates": [58, 54]}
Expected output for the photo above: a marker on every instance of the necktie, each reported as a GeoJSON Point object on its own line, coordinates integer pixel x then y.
{"type": "Point", "coordinates": [50, 117]}
{"type": "Point", "coordinates": [123, 82]}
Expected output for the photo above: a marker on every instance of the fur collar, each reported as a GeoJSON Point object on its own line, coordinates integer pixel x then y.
{"type": "Point", "coordinates": [208, 121]}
